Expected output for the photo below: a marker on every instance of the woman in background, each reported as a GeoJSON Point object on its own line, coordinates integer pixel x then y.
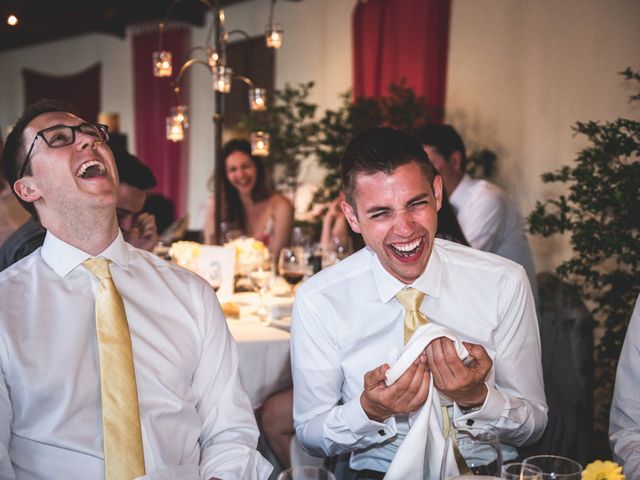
{"type": "Point", "coordinates": [248, 203]}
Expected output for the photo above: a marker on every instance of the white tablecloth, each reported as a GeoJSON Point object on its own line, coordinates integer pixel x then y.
{"type": "Point", "coordinates": [265, 366]}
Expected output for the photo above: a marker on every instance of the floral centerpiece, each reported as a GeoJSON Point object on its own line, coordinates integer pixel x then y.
{"type": "Point", "coordinates": [185, 254]}
{"type": "Point", "coordinates": [600, 470]}
{"type": "Point", "coordinates": [250, 253]}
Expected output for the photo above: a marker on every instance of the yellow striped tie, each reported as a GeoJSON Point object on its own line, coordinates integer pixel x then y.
{"type": "Point", "coordinates": [411, 299]}
{"type": "Point", "coordinates": [122, 436]}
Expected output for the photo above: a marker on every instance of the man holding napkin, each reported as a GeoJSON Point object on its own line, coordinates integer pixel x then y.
{"type": "Point", "coordinates": [116, 364]}
{"type": "Point", "coordinates": [472, 311]}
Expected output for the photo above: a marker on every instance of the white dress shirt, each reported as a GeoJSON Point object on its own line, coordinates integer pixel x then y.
{"type": "Point", "coordinates": [346, 319]}
{"type": "Point", "coordinates": [196, 420]}
{"type": "Point", "coordinates": [492, 222]}
{"type": "Point", "coordinates": [624, 427]}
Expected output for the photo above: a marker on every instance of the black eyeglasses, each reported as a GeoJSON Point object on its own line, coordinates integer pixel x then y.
{"type": "Point", "coordinates": [62, 135]}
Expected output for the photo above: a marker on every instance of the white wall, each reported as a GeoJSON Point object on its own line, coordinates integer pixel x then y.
{"type": "Point", "coordinates": [520, 74]}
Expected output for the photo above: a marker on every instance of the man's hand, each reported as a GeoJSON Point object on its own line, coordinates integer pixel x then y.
{"type": "Point", "coordinates": [144, 233]}
{"type": "Point", "coordinates": [406, 395]}
{"type": "Point", "coordinates": [464, 384]}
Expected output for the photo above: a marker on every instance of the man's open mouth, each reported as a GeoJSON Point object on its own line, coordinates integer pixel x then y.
{"type": "Point", "coordinates": [409, 249]}
{"type": "Point", "coordinates": [91, 169]}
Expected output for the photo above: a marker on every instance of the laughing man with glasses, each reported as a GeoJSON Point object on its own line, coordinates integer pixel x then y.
{"type": "Point", "coordinates": [195, 420]}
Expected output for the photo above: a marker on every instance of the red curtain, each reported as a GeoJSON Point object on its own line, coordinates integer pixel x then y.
{"type": "Point", "coordinates": [153, 99]}
{"type": "Point", "coordinates": [81, 90]}
{"type": "Point", "coordinates": [401, 39]}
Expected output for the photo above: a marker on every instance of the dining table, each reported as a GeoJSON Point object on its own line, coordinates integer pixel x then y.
{"type": "Point", "coordinates": [263, 346]}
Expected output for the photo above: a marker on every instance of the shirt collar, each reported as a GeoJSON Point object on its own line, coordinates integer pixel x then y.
{"type": "Point", "coordinates": [459, 195]}
{"type": "Point", "coordinates": [388, 285]}
{"type": "Point", "coordinates": [64, 258]}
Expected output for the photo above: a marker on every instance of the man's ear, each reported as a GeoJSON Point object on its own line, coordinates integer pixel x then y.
{"type": "Point", "coordinates": [455, 160]}
{"type": "Point", "coordinates": [437, 191]}
{"type": "Point", "coordinates": [351, 216]}
{"type": "Point", "coordinates": [25, 189]}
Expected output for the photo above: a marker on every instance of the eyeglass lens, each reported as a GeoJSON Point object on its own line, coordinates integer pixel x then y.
{"type": "Point", "coordinates": [62, 135]}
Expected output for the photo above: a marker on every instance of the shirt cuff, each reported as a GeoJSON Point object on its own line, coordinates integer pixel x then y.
{"type": "Point", "coordinates": [359, 423]}
{"type": "Point", "coordinates": [490, 410]}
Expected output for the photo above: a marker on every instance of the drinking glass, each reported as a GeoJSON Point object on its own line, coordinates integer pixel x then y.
{"type": "Point", "coordinates": [554, 467]}
{"type": "Point", "coordinates": [479, 454]}
{"type": "Point", "coordinates": [306, 473]}
{"type": "Point", "coordinates": [521, 471]}
{"type": "Point", "coordinates": [292, 265]}
{"type": "Point", "coordinates": [260, 277]}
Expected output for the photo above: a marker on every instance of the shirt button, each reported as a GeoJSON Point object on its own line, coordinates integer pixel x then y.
{"type": "Point", "coordinates": [381, 432]}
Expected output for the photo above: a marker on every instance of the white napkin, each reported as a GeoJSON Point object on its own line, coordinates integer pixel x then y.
{"type": "Point", "coordinates": [425, 432]}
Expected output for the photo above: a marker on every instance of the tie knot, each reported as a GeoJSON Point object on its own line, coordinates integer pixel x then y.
{"type": "Point", "coordinates": [99, 267]}
{"type": "Point", "coordinates": [410, 298]}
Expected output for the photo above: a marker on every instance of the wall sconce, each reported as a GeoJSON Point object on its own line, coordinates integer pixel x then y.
{"type": "Point", "coordinates": [162, 65]}
{"type": "Point", "coordinates": [222, 79]}
{"type": "Point", "coordinates": [260, 143]}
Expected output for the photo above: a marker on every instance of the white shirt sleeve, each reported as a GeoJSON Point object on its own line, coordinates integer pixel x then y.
{"type": "Point", "coordinates": [485, 227]}
{"type": "Point", "coordinates": [515, 407]}
{"type": "Point", "coordinates": [624, 427]}
{"type": "Point", "coordinates": [324, 427]}
{"type": "Point", "coordinates": [6, 414]}
{"type": "Point", "coordinates": [229, 430]}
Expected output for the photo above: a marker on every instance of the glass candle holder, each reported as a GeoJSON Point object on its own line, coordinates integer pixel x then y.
{"type": "Point", "coordinates": [257, 99]}
{"type": "Point", "coordinates": [162, 64]}
{"type": "Point", "coordinates": [179, 112]}
{"type": "Point", "coordinates": [273, 36]}
{"type": "Point", "coordinates": [222, 79]}
{"type": "Point", "coordinates": [175, 129]}
{"type": "Point", "coordinates": [260, 143]}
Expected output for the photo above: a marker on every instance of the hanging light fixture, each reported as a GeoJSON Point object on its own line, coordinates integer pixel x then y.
{"type": "Point", "coordinates": [222, 79]}
{"type": "Point", "coordinates": [257, 99]}
{"type": "Point", "coordinates": [273, 36]}
{"type": "Point", "coordinates": [260, 143]}
{"type": "Point", "coordinates": [175, 129]}
{"type": "Point", "coordinates": [162, 64]}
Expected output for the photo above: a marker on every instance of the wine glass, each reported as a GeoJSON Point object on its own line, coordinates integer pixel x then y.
{"type": "Point", "coordinates": [556, 467]}
{"type": "Point", "coordinates": [292, 265]}
{"type": "Point", "coordinates": [471, 452]}
{"type": "Point", "coordinates": [260, 277]}
{"type": "Point", "coordinates": [306, 473]}
{"type": "Point", "coordinates": [521, 471]}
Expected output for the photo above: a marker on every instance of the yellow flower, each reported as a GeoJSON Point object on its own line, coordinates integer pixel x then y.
{"type": "Point", "coordinates": [600, 470]}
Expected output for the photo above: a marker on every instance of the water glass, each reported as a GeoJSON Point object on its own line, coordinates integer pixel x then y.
{"type": "Point", "coordinates": [260, 277]}
{"type": "Point", "coordinates": [554, 467]}
{"type": "Point", "coordinates": [306, 473]}
{"type": "Point", "coordinates": [479, 454]}
{"type": "Point", "coordinates": [521, 471]}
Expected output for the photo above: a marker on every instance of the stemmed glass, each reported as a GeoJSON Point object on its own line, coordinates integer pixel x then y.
{"type": "Point", "coordinates": [260, 277]}
{"type": "Point", "coordinates": [292, 265]}
{"type": "Point", "coordinates": [306, 473]}
{"type": "Point", "coordinates": [556, 467]}
{"type": "Point", "coordinates": [477, 456]}
{"type": "Point", "coordinates": [521, 471]}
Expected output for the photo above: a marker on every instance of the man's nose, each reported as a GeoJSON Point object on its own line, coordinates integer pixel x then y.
{"type": "Point", "coordinates": [404, 221]}
{"type": "Point", "coordinates": [85, 141]}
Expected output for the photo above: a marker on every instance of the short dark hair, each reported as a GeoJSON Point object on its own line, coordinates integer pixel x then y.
{"type": "Point", "coordinates": [133, 172]}
{"type": "Point", "coordinates": [15, 148]}
{"type": "Point", "coordinates": [234, 211]}
{"type": "Point", "coordinates": [380, 150]}
{"type": "Point", "coordinates": [444, 138]}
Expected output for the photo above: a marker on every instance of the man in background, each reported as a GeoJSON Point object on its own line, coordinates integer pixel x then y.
{"type": "Point", "coordinates": [138, 228]}
{"type": "Point", "coordinates": [489, 219]}
{"type": "Point", "coordinates": [12, 215]}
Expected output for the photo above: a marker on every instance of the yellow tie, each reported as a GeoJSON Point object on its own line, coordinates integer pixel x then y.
{"type": "Point", "coordinates": [411, 299]}
{"type": "Point", "coordinates": [122, 437]}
